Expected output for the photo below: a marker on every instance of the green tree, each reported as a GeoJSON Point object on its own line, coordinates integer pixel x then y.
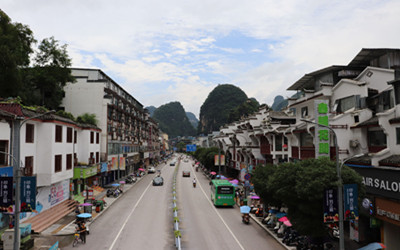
{"type": "Point", "coordinates": [244, 109]}
{"type": "Point", "coordinates": [15, 49]}
{"type": "Point", "coordinates": [44, 83]}
{"type": "Point", "coordinates": [300, 186]}
{"type": "Point", "coordinates": [181, 145]}
{"type": "Point", "coordinates": [87, 119]}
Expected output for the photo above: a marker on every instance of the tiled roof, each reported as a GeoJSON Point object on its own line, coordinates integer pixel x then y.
{"type": "Point", "coordinates": [374, 121]}
{"type": "Point", "coordinates": [392, 161]}
{"type": "Point", "coordinates": [362, 160]}
{"type": "Point", "coordinates": [13, 108]}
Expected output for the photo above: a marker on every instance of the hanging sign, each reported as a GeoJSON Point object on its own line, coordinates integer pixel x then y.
{"type": "Point", "coordinates": [6, 194]}
{"type": "Point", "coordinates": [28, 193]}
{"type": "Point", "coordinates": [350, 202]}
{"type": "Point", "coordinates": [330, 206]}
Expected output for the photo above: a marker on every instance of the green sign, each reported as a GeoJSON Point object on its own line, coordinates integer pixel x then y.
{"type": "Point", "coordinates": [84, 172]}
{"type": "Point", "coordinates": [322, 139]}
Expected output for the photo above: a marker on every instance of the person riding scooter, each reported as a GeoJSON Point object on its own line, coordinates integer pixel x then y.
{"type": "Point", "coordinates": [194, 182]}
{"type": "Point", "coordinates": [246, 218]}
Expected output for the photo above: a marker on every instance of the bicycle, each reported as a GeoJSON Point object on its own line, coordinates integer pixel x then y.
{"type": "Point", "coordinates": [77, 239]}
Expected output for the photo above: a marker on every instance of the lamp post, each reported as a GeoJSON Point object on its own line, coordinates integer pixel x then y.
{"type": "Point", "coordinates": [16, 131]}
{"type": "Point", "coordinates": [340, 184]}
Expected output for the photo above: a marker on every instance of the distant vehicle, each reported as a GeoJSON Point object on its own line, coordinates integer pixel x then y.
{"type": "Point", "coordinates": [158, 181]}
{"type": "Point", "coordinates": [222, 193]}
{"type": "Point", "coordinates": [186, 160]}
{"type": "Point", "coordinates": [151, 170]}
{"type": "Point", "coordinates": [185, 173]}
{"type": "Point", "coordinates": [172, 163]}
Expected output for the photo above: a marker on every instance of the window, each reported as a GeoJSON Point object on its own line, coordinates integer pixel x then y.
{"type": "Point", "coordinates": [397, 135]}
{"type": "Point", "coordinates": [29, 166]}
{"type": "Point", "coordinates": [69, 161]}
{"type": "Point", "coordinates": [30, 133]}
{"type": "Point", "coordinates": [75, 136]}
{"type": "Point", "coordinates": [97, 157]}
{"type": "Point", "coordinates": [376, 138]}
{"type": "Point", "coordinates": [91, 160]}
{"type": "Point", "coordinates": [278, 142]}
{"type": "Point", "coordinates": [91, 137]}
{"type": "Point", "coordinates": [304, 112]}
{"type": "Point", "coordinates": [345, 104]}
{"type": "Point", "coordinates": [97, 138]}
{"type": "Point", "coordinates": [75, 160]}
{"type": "Point", "coordinates": [57, 163]}
{"type": "Point", "coordinates": [3, 157]}
{"type": "Point", "coordinates": [58, 133]}
{"type": "Point", "coordinates": [69, 135]}
{"type": "Point", "coordinates": [306, 140]}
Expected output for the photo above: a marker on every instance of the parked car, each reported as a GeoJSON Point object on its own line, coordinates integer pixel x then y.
{"type": "Point", "coordinates": [185, 173]}
{"type": "Point", "coordinates": [172, 163]}
{"type": "Point", "coordinates": [158, 181]}
{"type": "Point", "coordinates": [151, 170]}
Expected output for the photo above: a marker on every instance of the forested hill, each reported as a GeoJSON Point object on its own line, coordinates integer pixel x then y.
{"type": "Point", "coordinates": [172, 120]}
{"type": "Point", "coordinates": [192, 119]}
{"type": "Point", "coordinates": [225, 104]}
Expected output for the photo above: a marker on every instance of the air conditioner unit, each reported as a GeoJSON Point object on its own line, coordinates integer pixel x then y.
{"type": "Point", "coordinates": [354, 143]}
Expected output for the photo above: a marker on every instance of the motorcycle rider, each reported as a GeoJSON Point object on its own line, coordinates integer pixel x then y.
{"type": "Point", "coordinates": [194, 182]}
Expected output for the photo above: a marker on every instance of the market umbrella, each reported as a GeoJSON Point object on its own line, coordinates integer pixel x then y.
{"type": "Point", "coordinates": [84, 215]}
{"type": "Point", "coordinates": [273, 211]}
{"type": "Point", "coordinates": [287, 223]}
{"type": "Point", "coordinates": [213, 173]}
{"type": "Point", "coordinates": [373, 246]}
{"type": "Point", "coordinates": [284, 218]}
{"type": "Point", "coordinates": [85, 204]}
{"type": "Point", "coordinates": [235, 185]}
{"type": "Point", "coordinates": [223, 177]}
{"type": "Point", "coordinates": [122, 182]}
{"type": "Point", "coordinates": [245, 209]}
{"type": "Point", "coordinates": [255, 197]}
{"type": "Point", "coordinates": [141, 169]}
{"type": "Point", "coordinates": [115, 185]}
{"type": "Point", "coordinates": [234, 181]}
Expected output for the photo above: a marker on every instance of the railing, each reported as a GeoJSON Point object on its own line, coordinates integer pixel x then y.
{"type": "Point", "coordinates": [177, 232]}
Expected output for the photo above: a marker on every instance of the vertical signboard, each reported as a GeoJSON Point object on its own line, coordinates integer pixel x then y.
{"type": "Point", "coordinates": [322, 142]}
{"type": "Point", "coordinates": [219, 162]}
{"type": "Point", "coordinates": [350, 202]}
{"type": "Point", "coordinates": [28, 193]}
{"type": "Point", "coordinates": [330, 206]}
{"type": "Point", "coordinates": [6, 193]}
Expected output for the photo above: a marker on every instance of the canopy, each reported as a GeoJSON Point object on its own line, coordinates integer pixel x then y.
{"type": "Point", "coordinates": [115, 185]}
{"type": "Point", "coordinates": [287, 223]}
{"type": "Point", "coordinates": [234, 181]}
{"type": "Point", "coordinates": [213, 173]}
{"type": "Point", "coordinates": [284, 218]}
{"type": "Point", "coordinates": [122, 182]}
{"type": "Point", "coordinates": [255, 197]}
{"type": "Point", "coordinates": [141, 169]}
{"type": "Point", "coordinates": [245, 209]}
{"type": "Point", "coordinates": [280, 215]}
{"type": "Point", "coordinates": [84, 215]}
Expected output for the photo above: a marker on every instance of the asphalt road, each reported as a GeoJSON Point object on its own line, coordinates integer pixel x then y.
{"type": "Point", "coordinates": [142, 219]}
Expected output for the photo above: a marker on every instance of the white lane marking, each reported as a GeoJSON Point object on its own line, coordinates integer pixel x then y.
{"type": "Point", "coordinates": [223, 221]}
{"type": "Point", "coordinates": [126, 221]}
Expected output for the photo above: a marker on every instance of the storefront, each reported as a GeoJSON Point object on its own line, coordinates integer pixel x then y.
{"type": "Point", "coordinates": [83, 177]}
{"type": "Point", "coordinates": [383, 185]}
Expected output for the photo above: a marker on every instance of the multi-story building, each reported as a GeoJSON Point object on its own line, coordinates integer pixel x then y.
{"type": "Point", "coordinates": [50, 147]}
{"type": "Point", "coordinates": [363, 99]}
{"type": "Point", "coordinates": [120, 116]}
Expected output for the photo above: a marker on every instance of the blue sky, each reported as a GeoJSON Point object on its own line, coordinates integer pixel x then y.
{"type": "Point", "coordinates": [164, 51]}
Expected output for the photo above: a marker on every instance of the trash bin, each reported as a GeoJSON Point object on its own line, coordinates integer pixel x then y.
{"type": "Point", "coordinates": [87, 209]}
{"type": "Point", "coordinates": [99, 206]}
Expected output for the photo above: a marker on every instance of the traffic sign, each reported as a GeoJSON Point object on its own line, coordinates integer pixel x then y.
{"type": "Point", "coordinates": [247, 176]}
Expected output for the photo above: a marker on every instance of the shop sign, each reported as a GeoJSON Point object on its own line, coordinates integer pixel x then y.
{"type": "Point", "coordinates": [350, 201]}
{"type": "Point", "coordinates": [388, 210]}
{"type": "Point", "coordinates": [220, 162]}
{"type": "Point", "coordinates": [330, 206]}
{"type": "Point", "coordinates": [122, 165]}
{"type": "Point", "coordinates": [6, 193]}
{"type": "Point", "coordinates": [383, 182]}
{"type": "Point", "coordinates": [104, 167]}
{"type": "Point", "coordinates": [322, 140]}
{"type": "Point", "coordinates": [28, 193]}
{"type": "Point", "coordinates": [6, 171]}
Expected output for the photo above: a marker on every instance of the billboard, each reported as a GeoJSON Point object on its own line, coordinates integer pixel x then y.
{"type": "Point", "coordinates": [191, 148]}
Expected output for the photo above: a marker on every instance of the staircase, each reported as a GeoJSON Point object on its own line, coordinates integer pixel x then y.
{"type": "Point", "coordinates": [50, 216]}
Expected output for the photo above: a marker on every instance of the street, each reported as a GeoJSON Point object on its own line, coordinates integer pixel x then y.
{"type": "Point", "coordinates": [142, 219]}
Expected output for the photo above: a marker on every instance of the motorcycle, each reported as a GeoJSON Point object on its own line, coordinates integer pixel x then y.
{"type": "Point", "coordinates": [246, 218]}
{"type": "Point", "coordinates": [194, 184]}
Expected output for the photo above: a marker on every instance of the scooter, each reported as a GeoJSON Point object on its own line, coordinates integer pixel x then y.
{"type": "Point", "coordinates": [194, 184]}
{"type": "Point", "coordinates": [246, 218]}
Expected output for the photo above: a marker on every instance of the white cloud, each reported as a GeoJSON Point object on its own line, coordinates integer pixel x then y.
{"type": "Point", "coordinates": [163, 51]}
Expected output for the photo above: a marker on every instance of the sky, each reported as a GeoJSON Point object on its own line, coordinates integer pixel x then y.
{"type": "Point", "coordinates": [162, 51]}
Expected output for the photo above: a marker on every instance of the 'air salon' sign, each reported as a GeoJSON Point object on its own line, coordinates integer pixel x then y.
{"type": "Point", "coordinates": [383, 182]}
{"type": "Point", "coordinates": [321, 132]}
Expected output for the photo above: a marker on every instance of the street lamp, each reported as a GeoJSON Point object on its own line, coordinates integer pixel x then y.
{"type": "Point", "coordinates": [16, 130]}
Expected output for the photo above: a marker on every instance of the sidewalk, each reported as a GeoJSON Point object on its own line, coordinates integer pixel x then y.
{"type": "Point", "coordinates": [66, 226]}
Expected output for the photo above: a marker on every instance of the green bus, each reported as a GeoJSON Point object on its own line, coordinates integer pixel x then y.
{"type": "Point", "coordinates": [222, 193]}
